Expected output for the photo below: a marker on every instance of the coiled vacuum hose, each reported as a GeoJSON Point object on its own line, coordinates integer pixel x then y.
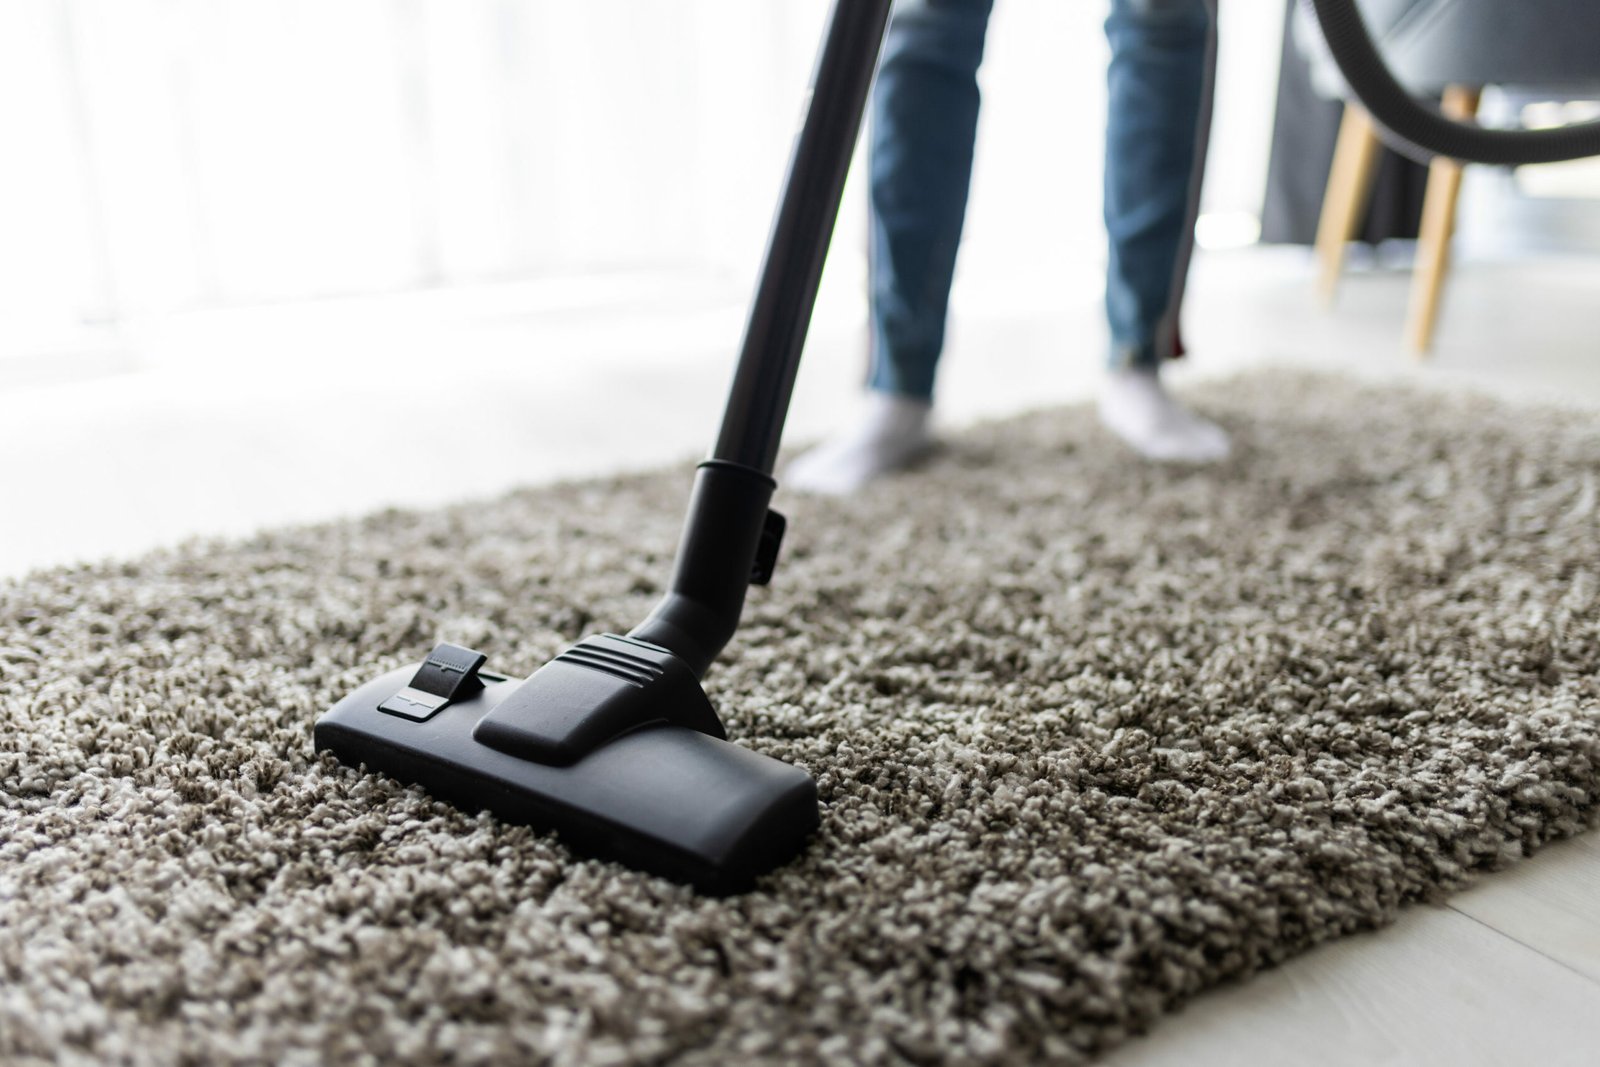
{"type": "Point", "coordinates": [1421, 132]}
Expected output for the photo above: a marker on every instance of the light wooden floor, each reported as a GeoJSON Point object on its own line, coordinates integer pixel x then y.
{"type": "Point", "coordinates": [218, 424]}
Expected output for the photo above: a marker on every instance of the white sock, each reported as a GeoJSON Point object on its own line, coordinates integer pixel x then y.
{"type": "Point", "coordinates": [890, 435]}
{"type": "Point", "coordinates": [1135, 407]}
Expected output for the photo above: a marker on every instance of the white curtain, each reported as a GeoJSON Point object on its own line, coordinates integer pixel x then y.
{"type": "Point", "coordinates": [168, 154]}
{"type": "Point", "coordinates": [163, 153]}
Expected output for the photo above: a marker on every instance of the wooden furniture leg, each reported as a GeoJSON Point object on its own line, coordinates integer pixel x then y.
{"type": "Point", "coordinates": [1349, 182]}
{"type": "Point", "coordinates": [1438, 223]}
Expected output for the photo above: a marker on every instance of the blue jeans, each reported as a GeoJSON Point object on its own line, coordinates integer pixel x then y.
{"type": "Point", "coordinates": [923, 123]}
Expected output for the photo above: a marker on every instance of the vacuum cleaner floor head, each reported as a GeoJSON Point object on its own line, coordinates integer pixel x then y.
{"type": "Point", "coordinates": [613, 744]}
{"type": "Point", "coordinates": [610, 745]}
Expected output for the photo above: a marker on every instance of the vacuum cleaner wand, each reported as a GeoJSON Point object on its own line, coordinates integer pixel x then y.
{"type": "Point", "coordinates": [613, 744]}
{"type": "Point", "coordinates": [801, 230]}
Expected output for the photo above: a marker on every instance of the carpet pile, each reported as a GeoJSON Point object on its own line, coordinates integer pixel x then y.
{"type": "Point", "coordinates": [1091, 736]}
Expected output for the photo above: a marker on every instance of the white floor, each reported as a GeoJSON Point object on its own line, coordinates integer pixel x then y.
{"type": "Point", "coordinates": [219, 423]}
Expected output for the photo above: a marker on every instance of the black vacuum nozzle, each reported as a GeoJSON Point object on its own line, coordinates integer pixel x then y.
{"type": "Point", "coordinates": [613, 744]}
{"type": "Point", "coordinates": [621, 762]}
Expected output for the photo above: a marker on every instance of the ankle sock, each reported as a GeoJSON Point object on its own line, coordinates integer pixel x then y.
{"type": "Point", "coordinates": [1137, 408]}
{"type": "Point", "coordinates": [890, 434]}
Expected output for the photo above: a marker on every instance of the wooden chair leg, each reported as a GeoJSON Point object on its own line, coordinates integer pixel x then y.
{"type": "Point", "coordinates": [1349, 183]}
{"type": "Point", "coordinates": [1438, 224]}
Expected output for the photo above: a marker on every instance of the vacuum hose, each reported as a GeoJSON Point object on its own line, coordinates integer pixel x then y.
{"type": "Point", "coordinates": [1421, 132]}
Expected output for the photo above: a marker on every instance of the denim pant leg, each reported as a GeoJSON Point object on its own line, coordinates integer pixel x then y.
{"type": "Point", "coordinates": [924, 121]}
{"type": "Point", "coordinates": [1158, 101]}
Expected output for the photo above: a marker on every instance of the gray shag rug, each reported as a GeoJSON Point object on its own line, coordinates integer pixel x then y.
{"type": "Point", "coordinates": [1091, 736]}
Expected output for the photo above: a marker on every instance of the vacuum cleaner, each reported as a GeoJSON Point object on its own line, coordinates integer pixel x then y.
{"type": "Point", "coordinates": [613, 745]}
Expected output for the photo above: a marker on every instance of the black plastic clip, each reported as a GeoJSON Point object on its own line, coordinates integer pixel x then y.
{"type": "Point", "coordinates": [449, 673]}
{"type": "Point", "coordinates": [767, 548]}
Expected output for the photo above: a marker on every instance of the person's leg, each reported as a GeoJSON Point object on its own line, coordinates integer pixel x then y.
{"type": "Point", "coordinates": [923, 124]}
{"type": "Point", "coordinates": [1158, 108]}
